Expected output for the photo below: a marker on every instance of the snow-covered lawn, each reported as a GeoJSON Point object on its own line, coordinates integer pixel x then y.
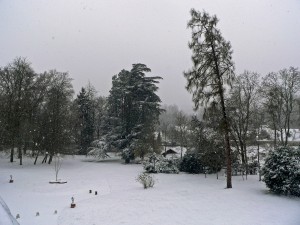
{"type": "Point", "coordinates": [176, 199]}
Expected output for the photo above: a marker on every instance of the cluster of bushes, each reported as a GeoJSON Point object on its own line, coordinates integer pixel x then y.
{"type": "Point", "coordinates": [282, 171]}
{"type": "Point", "coordinates": [192, 162]}
{"type": "Point", "coordinates": [158, 164]}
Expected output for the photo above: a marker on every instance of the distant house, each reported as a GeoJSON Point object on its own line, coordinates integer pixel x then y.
{"type": "Point", "coordinates": [169, 152]}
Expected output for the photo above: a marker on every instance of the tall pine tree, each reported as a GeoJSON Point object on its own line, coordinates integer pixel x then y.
{"type": "Point", "coordinates": [133, 109]}
{"type": "Point", "coordinates": [212, 71]}
{"type": "Point", "coordinates": [85, 120]}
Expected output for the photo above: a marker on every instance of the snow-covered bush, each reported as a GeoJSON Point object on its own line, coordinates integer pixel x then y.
{"type": "Point", "coordinates": [98, 149]}
{"type": "Point", "coordinates": [282, 171]}
{"type": "Point", "coordinates": [146, 180]}
{"type": "Point", "coordinates": [158, 164]}
{"type": "Point", "coordinates": [167, 166]}
{"type": "Point", "coordinates": [191, 163]}
{"type": "Point", "coordinates": [127, 155]}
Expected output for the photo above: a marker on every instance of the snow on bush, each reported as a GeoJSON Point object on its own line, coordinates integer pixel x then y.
{"type": "Point", "coordinates": [146, 180]}
{"type": "Point", "coordinates": [127, 155]}
{"type": "Point", "coordinates": [98, 149]}
{"type": "Point", "coordinates": [158, 164]}
{"type": "Point", "coordinates": [282, 171]}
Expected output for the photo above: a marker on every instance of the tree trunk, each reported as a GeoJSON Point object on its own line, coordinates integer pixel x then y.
{"type": "Point", "coordinates": [20, 154]}
{"type": "Point", "coordinates": [25, 147]}
{"type": "Point", "coordinates": [50, 159]}
{"type": "Point", "coordinates": [226, 137]}
{"type": "Point", "coordinates": [36, 157]}
{"type": "Point", "coordinates": [12, 154]}
{"type": "Point", "coordinates": [228, 153]}
{"type": "Point", "coordinates": [225, 120]}
{"type": "Point", "coordinates": [181, 152]}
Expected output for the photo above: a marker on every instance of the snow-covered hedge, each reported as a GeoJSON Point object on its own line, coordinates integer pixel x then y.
{"type": "Point", "coordinates": [158, 164]}
{"type": "Point", "coordinates": [282, 171]}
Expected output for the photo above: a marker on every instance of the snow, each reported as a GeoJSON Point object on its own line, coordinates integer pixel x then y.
{"type": "Point", "coordinates": [5, 215]}
{"type": "Point", "coordinates": [176, 199]}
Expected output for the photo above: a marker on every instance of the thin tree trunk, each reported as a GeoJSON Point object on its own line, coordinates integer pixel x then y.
{"type": "Point", "coordinates": [228, 151]}
{"type": "Point", "coordinates": [12, 154]}
{"type": "Point", "coordinates": [226, 137]}
{"type": "Point", "coordinates": [225, 121]}
{"type": "Point", "coordinates": [20, 154]}
{"type": "Point", "coordinates": [25, 147]}
{"type": "Point", "coordinates": [50, 159]}
{"type": "Point", "coordinates": [36, 157]}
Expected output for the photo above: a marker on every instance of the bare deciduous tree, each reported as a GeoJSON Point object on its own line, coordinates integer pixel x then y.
{"type": "Point", "coordinates": [279, 92]}
{"type": "Point", "coordinates": [241, 110]}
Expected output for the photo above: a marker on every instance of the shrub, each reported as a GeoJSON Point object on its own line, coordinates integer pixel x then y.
{"type": "Point", "coordinates": [158, 164]}
{"type": "Point", "coordinates": [167, 166]}
{"type": "Point", "coordinates": [98, 149]}
{"type": "Point", "coordinates": [146, 180]}
{"type": "Point", "coordinates": [282, 171]}
{"type": "Point", "coordinates": [127, 155]}
{"type": "Point", "coordinates": [191, 163]}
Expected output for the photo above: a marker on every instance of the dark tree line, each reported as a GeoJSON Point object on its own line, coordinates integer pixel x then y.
{"type": "Point", "coordinates": [38, 113]}
{"type": "Point", "coordinates": [35, 109]}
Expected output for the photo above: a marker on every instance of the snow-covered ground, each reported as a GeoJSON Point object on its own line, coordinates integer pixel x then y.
{"type": "Point", "coordinates": [176, 199]}
{"type": "Point", "coordinates": [6, 218]}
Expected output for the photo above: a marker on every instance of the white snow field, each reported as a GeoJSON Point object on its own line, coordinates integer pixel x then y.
{"type": "Point", "coordinates": [6, 218]}
{"type": "Point", "coordinates": [176, 199]}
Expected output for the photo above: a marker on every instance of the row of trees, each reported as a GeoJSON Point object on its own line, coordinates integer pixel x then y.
{"type": "Point", "coordinates": [39, 113]}
{"type": "Point", "coordinates": [38, 110]}
{"type": "Point", "coordinates": [247, 105]}
{"type": "Point", "coordinates": [35, 108]}
{"type": "Point", "coordinates": [249, 113]}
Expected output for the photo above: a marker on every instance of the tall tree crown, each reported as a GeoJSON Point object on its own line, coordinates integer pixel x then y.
{"type": "Point", "coordinates": [212, 59]}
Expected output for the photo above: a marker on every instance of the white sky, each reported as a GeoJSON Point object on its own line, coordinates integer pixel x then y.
{"type": "Point", "coordinates": [93, 40]}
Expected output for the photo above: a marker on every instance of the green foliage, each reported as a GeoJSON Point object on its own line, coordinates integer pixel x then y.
{"type": "Point", "coordinates": [212, 59]}
{"type": "Point", "coordinates": [212, 71]}
{"type": "Point", "coordinates": [282, 171]}
{"type": "Point", "coordinates": [127, 155]}
{"type": "Point", "coordinates": [86, 120]}
{"type": "Point", "coordinates": [133, 111]}
{"type": "Point", "coordinates": [191, 163]}
{"type": "Point", "coordinates": [207, 146]}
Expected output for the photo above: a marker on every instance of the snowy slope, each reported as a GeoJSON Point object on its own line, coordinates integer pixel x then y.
{"type": "Point", "coordinates": [176, 199]}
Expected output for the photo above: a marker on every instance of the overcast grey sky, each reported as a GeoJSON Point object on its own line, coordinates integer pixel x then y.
{"type": "Point", "coordinates": [94, 40]}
